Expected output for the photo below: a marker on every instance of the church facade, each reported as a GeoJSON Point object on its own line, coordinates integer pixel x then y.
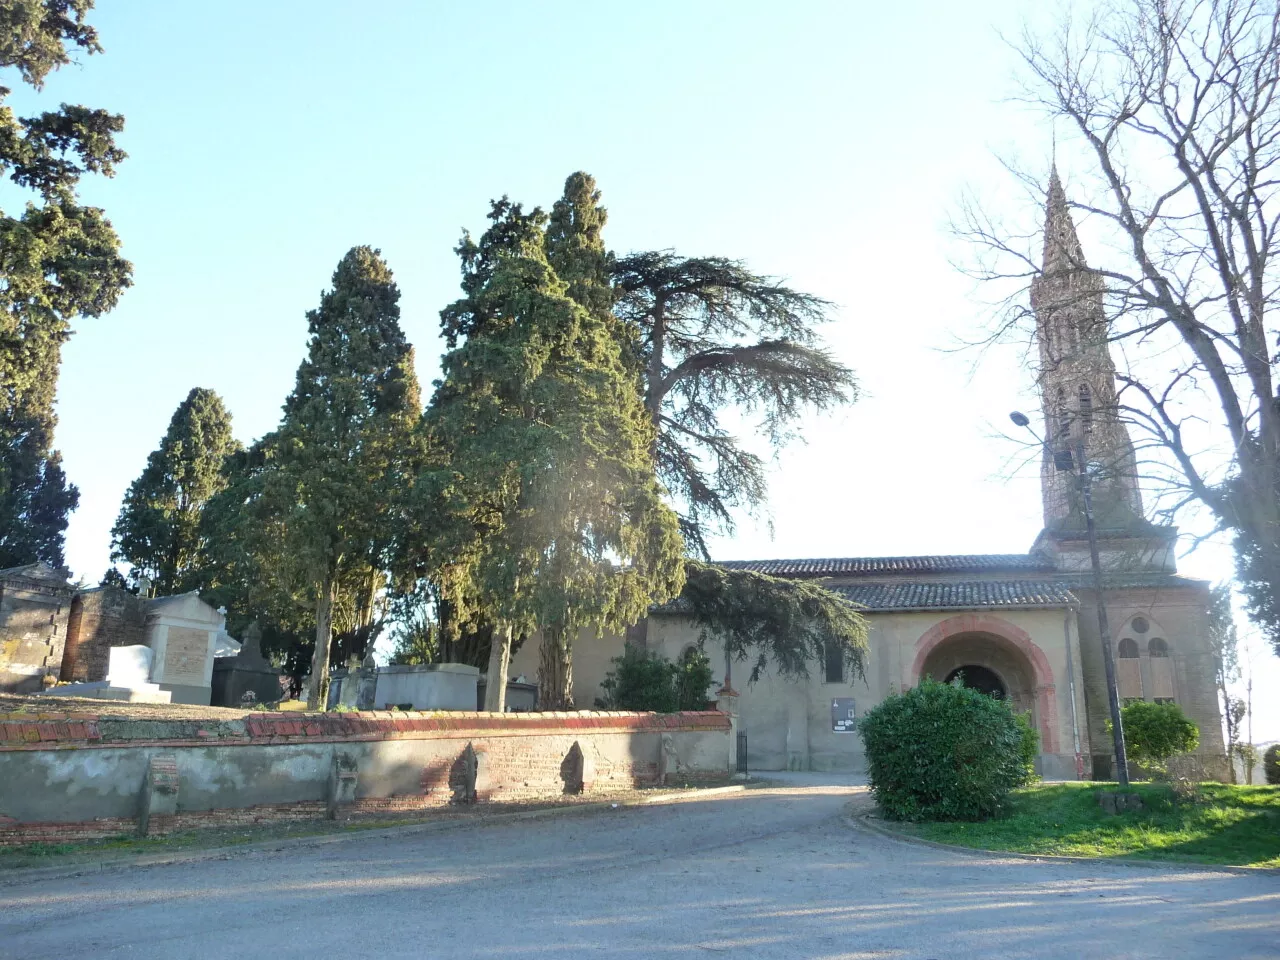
{"type": "Point", "coordinates": [1020, 626]}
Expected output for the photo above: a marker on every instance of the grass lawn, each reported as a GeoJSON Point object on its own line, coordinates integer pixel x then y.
{"type": "Point", "coordinates": [1221, 824]}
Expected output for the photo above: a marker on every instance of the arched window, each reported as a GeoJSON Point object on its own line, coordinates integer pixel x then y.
{"type": "Point", "coordinates": [1157, 648]}
{"type": "Point", "coordinates": [1086, 407]}
{"type": "Point", "coordinates": [1129, 670]}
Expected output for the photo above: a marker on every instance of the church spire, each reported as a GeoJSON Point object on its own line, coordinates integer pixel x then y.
{"type": "Point", "coordinates": [1078, 377]}
{"type": "Point", "coordinates": [1062, 250]}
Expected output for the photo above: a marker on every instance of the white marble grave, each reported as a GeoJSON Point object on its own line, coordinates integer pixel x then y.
{"type": "Point", "coordinates": [128, 678]}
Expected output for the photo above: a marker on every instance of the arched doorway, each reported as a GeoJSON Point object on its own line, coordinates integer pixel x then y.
{"type": "Point", "coordinates": [980, 678]}
{"type": "Point", "coordinates": [1008, 659]}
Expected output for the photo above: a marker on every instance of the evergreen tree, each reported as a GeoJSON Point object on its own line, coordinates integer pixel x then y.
{"type": "Point", "coordinates": [713, 335]}
{"type": "Point", "coordinates": [58, 261]}
{"type": "Point", "coordinates": [158, 530]}
{"type": "Point", "coordinates": [549, 512]}
{"type": "Point", "coordinates": [320, 512]}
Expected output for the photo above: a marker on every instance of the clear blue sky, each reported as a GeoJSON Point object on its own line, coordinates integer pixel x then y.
{"type": "Point", "coordinates": [823, 142]}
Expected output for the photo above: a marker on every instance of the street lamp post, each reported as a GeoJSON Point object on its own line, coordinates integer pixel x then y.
{"type": "Point", "coordinates": [1062, 460]}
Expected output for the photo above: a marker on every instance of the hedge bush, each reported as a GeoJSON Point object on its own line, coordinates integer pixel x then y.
{"type": "Point", "coordinates": [1271, 764]}
{"type": "Point", "coordinates": [944, 752]}
{"type": "Point", "coordinates": [641, 680]}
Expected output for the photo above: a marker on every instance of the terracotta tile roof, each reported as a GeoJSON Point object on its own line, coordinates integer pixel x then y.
{"type": "Point", "coordinates": [845, 566]}
{"type": "Point", "coordinates": [1121, 580]}
{"type": "Point", "coordinates": [957, 594]}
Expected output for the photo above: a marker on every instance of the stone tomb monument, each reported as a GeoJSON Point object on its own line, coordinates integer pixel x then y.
{"type": "Point", "coordinates": [35, 601]}
{"type": "Point", "coordinates": [245, 672]}
{"type": "Point", "coordinates": [182, 633]}
{"type": "Point", "coordinates": [432, 686]}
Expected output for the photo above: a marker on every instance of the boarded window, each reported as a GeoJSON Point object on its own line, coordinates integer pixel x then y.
{"type": "Point", "coordinates": [1161, 670]}
{"type": "Point", "coordinates": [1129, 670]}
{"type": "Point", "coordinates": [835, 663]}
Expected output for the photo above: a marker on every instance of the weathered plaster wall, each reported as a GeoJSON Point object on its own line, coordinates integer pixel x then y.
{"type": "Point", "coordinates": [62, 775]}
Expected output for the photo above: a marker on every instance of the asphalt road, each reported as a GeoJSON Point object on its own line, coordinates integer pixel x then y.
{"type": "Point", "coordinates": [767, 873]}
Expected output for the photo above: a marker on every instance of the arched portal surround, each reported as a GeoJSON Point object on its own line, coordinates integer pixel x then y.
{"type": "Point", "coordinates": [1005, 649]}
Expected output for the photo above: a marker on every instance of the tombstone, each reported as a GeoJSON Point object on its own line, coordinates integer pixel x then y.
{"type": "Point", "coordinates": [245, 678]}
{"type": "Point", "coordinates": [367, 685]}
{"type": "Point", "coordinates": [128, 673]}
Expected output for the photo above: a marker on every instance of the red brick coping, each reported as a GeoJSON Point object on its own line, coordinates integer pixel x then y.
{"type": "Point", "coordinates": [69, 731]}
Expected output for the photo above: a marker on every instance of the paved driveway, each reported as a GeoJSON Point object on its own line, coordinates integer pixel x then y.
{"type": "Point", "coordinates": [768, 873]}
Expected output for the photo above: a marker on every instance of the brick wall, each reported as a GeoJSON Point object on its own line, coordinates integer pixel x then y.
{"type": "Point", "coordinates": [80, 776]}
{"type": "Point", "coordinates": [100, 619]}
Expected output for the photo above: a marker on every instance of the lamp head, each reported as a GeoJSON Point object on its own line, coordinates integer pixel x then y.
{"type": "Point", "coordinates": [1020, 419]}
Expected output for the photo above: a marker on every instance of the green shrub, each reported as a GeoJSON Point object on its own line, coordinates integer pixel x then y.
{"type": "Point", "coordinates": [693, 677]}
{"type": "Point", "coordinates": [641, 680]}
{"type": "Point", "coordinates": [1154, 732]}
{"type": "Point", "coordinates": [1271, 764]}
{"type": "Point", "coordinates": [945, 752]}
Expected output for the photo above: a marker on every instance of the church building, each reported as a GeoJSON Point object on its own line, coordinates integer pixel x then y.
{"type": "Point", "coordinates": [1020, 626]}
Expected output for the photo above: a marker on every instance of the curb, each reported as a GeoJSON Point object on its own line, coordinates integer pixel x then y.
{"type": "Point", "coordinates": [19, 875]}
{"type": "Point", "coordinates": [863, 822]}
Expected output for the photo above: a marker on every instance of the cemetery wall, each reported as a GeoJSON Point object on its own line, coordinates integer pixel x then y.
{"type": "Point", "coordinates": [80, 776]}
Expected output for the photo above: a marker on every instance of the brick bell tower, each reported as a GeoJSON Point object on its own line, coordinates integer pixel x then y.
{"type": "Point", "coordinates": [1077, 380]}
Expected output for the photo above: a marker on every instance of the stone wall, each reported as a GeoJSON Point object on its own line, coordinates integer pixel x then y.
{"type": "Point", "coordinates": [77, 776]}
{"type": "Point", "coordinates": [100, 619]}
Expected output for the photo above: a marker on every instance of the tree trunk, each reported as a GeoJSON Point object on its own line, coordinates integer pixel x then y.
{"type": "Point", "coordinates": [653, 375]}
{"type": "Point", "coordinates": [495, 687]}
{"type": "Point", "coordinates": [555, 670]}
{"type": "Point", "coordinates": [318, 689]}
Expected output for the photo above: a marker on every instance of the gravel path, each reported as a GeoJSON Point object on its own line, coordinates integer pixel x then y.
{"type": "Point", "coordinates": [765, 873]}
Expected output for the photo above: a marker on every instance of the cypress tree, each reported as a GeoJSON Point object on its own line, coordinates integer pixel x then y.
{"type": "Point", "coordinates": [158, 530]}
{"type": "Point", "coordinates": [550, 510]}
{"type": "Point", "coordinates": [323, 512]}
